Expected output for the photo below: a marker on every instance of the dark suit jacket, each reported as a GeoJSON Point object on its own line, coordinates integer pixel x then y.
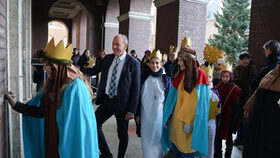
{"type": "Point", "coordinates": [129, 82]}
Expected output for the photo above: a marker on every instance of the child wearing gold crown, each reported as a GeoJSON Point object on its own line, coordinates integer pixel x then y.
{"type": "Point", "coordinates": [214, 112]}
{"type": "Point", "coordinates": [186, 109]}
{"type": "Point", "coordinates": [69, 126]}
{"type": "Point", "coordinates": [155, 87]}
{"type": "Point", "coordinates": [229, 95]}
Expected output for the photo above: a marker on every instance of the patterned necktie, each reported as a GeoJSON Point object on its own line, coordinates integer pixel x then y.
{"type": "Point", "coordinates": [112, 86]}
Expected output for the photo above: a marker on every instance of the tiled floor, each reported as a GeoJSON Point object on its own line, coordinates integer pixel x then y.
{"type": "Point", "coordinates": [134, 147]}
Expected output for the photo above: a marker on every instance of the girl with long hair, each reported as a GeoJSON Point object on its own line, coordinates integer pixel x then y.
{"type": "Point", "coordinates": [185, 119]}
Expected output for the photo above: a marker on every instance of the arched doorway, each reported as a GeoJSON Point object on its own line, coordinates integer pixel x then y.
{"type": "Point", "coordinates": [59, 31]}
{"type": "Point", "coordinates": [77, 20]}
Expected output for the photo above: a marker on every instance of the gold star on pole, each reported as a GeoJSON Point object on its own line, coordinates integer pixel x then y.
{"type": "Point", "coordinates": [212, 54]}
{"type": "Point", "coordinates": [91, 62]}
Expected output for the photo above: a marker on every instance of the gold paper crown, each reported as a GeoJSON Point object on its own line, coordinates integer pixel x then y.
{"type": "Point", "coordinates": [156, 54]}
{"type": "Point", "coordinates": [212, 54]}
{"type": "Point", "coordinates": [225, 65]}
{"type": "Point", "coordinates": [164, 57]}
{"type": "Point", "coordinates": [58, 53]}
{"type": "Point", "coordinates": [91, 62]}
{"type": "Point", "coordinates": [173, 49]}
{"type": "Point", "coordinates": [208, 70]}
{"type": "Point", "coordinates": [186, 42]}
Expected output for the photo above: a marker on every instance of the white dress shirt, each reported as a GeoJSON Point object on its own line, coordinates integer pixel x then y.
{"type": "Point", "coordinates": [122, 60]}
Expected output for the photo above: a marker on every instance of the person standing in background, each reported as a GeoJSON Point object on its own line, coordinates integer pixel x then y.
{"type": "Point", "coordinates": [243, 77]}
{"type": "Point", "coordinates": [75, 57]}
{"type": "Point", "coordinates": [83, 61]}
{"type": "Point", "coordinates": [172, 62]}
{"type": "Point", "coordinates": [133, 53]}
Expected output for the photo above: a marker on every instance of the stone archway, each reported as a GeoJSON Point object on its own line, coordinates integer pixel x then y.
{"type": "Point", "coordinates": [59, 31]}
{"type": "Point", "coordinates": [76, 15]}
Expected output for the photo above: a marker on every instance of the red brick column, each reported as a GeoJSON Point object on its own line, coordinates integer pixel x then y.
{"type": "Point", "coordinates": [111, 24]}
{"type": "Point", "coordinates": [136, 25]}
{"type": "Point", "coordinates": [4, 143]}
{"type": "Point", "coordinates": [264, 26]}
{"type": "Point", "coordinates": [135, 22]}
{"type": "Point", "coordinates": [179, 18]}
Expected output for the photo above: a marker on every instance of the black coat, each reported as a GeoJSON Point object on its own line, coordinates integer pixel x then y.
{"type": "Point", "coordinates": [75, 59]}
{"type": "Point", "coordinates": [129, 82]}
{"type": "Point", "coordinates": [83, 61]}
{"type": "Point", "coordinates": [269, 64]}
{"type": "Point", "coordinates": [243, 77]}
{"type": "Point", "coordinates": [264, 126]}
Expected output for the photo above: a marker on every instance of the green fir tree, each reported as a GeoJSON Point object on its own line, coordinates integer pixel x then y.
{"type": "Point", "coordinates": [233, 26]}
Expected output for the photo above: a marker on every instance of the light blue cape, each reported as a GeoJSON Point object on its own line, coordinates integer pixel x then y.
{"type": "Point", "coordinates": [76, 123]}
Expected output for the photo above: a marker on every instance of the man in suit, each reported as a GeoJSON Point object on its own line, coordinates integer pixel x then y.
{"type": "Point", "coordinates": [118, 93]}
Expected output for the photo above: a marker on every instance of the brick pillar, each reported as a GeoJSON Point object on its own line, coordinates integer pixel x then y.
{"type": "Point", "coordinates": [4, 143]}
{"type": "Point", "coordinates": [111, 24]}
{"type": "Point", "coordinates": [263, 27]}
{"type": "Point", "coordinates": [136, 25]}
{"type": "Point", "coordinates": [179, 18]}
{"type": "Point", "coordinates": [111, 29]}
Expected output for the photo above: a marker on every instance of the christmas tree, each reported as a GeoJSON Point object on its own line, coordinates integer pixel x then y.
{"type": "Point", "coordinates": [233, 26]}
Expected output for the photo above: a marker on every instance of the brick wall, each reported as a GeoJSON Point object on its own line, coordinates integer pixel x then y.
{"type": "Point", "coordinates": [112, 12]}
{"type": "Point", "coordinates": [192, 23]}
{"type": "Point", "coordinates": [3, 80]}
{"type": "Point", "coordinates": [139, 36]}
{"type": "Point", "coordinates": [264, 26]}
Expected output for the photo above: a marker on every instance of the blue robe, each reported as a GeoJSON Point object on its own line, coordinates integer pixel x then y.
{"type": "Point", "coordinates": [76, 123]}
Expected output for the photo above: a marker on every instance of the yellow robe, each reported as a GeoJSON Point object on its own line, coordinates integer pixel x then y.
{"type": "Point", "coordinates": [184, 112]}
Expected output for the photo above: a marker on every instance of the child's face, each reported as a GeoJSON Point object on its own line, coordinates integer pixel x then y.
{"type": "Point", "coordinates": [217, 67]}
{"type": "Point", "coordinates": [225, 77]}
{"type": "Point", "coordinates": [245, 62]}
{"type": "Point", "coordinates": [181, 63]}
{"type": "Point", "coordinates": [155, 64]}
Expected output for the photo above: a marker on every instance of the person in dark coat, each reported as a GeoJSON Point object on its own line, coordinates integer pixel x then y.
{"type": "Point", "coordinates": [75, 57]}
{"type": "Point", "coordinates": [133, 53]}
{"type": "Point", "coordinates": [272, 53]}
{"type": "Point", "coordinates": [118, 93]}
{"type": "Point", "coordinates": [172, 61]}
{"type": "Point", "coordinates": [39, 75]}
{"type": "Point", "coordinates": [263, 109]}
{"type": "Point", "coordinates": [243, 77]}
{"type": "Point", "coordinates": [83, 61]}
{"type": "Point", "coordinates": [145, 61]}
{"type": "Point", "coordinates": [99, 59]}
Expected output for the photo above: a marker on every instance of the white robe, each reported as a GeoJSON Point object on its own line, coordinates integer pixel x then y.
{"type": "Point", "coordinates": [211, 130]}
{"type": "Point", "coordinates": [152, 98]}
